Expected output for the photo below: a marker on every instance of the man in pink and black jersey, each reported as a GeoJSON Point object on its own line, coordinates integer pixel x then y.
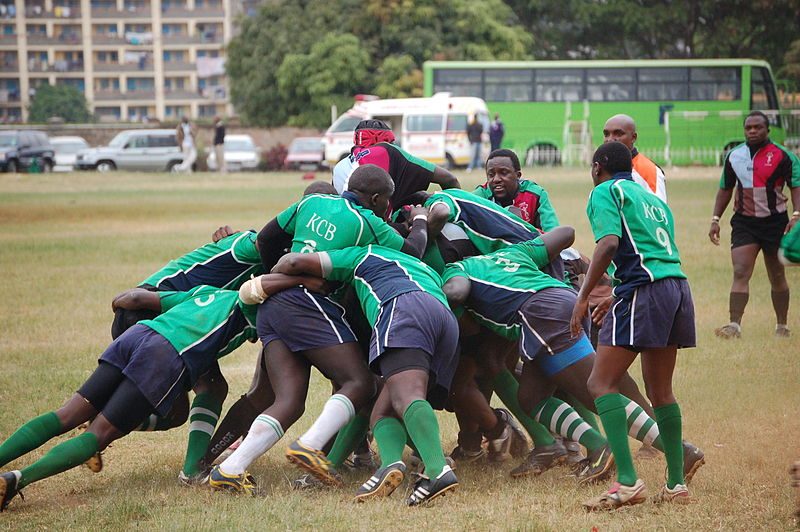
{"type": "Point", "coordinates": [373, 143]}
{"type": "Point", "coordinates": [756, 173]}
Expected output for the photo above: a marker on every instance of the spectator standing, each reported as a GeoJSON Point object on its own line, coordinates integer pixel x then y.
{"type": "Point", "coordinates": [474, 134]}
{"type": "Point", "coordinates": [219, 144]}
{"type": "Point", "coordinates": [185, 135]}
{"type": "Point", "coordinates": [496, 132]}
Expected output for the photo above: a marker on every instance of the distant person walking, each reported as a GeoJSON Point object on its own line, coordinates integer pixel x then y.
{"type": "Point", "coordinates": [219, 144]}
{"type": "Point", "coordinates": [185, 135]}
{"type": "Point", "coordinates": [496, 132]}
{"type": "Point", "coordinates": [474, 134]}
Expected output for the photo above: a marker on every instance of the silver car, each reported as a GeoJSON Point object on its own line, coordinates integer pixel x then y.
{"type": "Point", "coordinates": [67, 149]}
{"type": "Point", "coordinates": [151, 150]}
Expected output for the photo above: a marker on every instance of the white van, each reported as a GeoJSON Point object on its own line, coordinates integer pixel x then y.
{"type": "Point", "coordinates": [434, 129]}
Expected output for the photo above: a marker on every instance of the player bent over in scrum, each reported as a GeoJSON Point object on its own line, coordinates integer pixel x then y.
{"type": "Point", "coordinates": [141, 372]}
{"type": "Point", "coordinates": [413, 347]}
{"type": "Point", "coordinates": [652, 314]}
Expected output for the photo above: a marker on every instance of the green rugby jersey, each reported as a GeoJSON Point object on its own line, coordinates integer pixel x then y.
{"type": "Point", "coordinates": [204, 324]}
{"type": "Point", "coordinates": [488, 226]}
{"type": "Point", "coordinates": [501, 282]}
{"type": "Point", "coordinates": [322, 222]}
{"type": "Point", "coordinates": [227, 264]}
{"type": "Point", "coordinates": [643, 222]}
{"type": "Point", "coordinates": [379, 275]}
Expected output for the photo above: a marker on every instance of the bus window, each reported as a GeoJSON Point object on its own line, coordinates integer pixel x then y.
{"type": "Point", "coordinates": [509, 85]}
{"type": "Point", "coordinates": [610, 84]}
{"type": "Point", "coordinates": [345, 124]}
{"type": "Point", "coordinates": [663, 84]}
{"type": "Point", "coordinates": [456, 123]}
{"type": "Point", "coordinates": [715, 84]}
{"type": "Point", "coordinates": [468, 82]}
{"type": "Point", "coordinates": [424, 123]}
{"type": "Point", "coordinates": [762, 90]}
{"type": "Point", "coordinates": [559, 85]}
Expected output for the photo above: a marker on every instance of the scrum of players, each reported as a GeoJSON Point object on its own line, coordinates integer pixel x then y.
{"type": "Point", "coordinates": [408, 302]}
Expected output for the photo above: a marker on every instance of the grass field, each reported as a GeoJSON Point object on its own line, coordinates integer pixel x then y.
{"type": "Point", "coordinates": [71, 242]}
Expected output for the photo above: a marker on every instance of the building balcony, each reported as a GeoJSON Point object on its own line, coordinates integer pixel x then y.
{"type": "Point", "coordinates": [12, 98]}
{"type": "Point", "coordinates": [10, 66]}
{"type": "Point", "coordinates": [60, 65]}
{"type": "Point", "coordinates": [143, 13]}
{"type": "Point", "coordinates": [56, 13]}
{"type": "Point", "coordinates": [123, 67]}
{"type": "Point", "coordinates": [108, 39]}
{"type": "Point", "coordinates": [204, 38]}
{"type": "Point", "coordinates": [60, 40]}
{"type": "Point", "coordinates": [181, 94]}
{"type": "Point", "coordinates": [140, 95]}
{"type": "Point", "coordinates": [200, 12]}
{"type": "Point", "coordinates": [179, 66]}
{"type": "Point", "coordinates": [105, 95]}
{"type": "Point", "coordinates": [8, 40]}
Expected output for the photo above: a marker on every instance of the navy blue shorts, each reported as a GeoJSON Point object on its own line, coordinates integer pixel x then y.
{"type": "Point", "coordinates": [417, 320]}
{"type": "Point", "coordinates": [545, 335]}
{"type": "Point", "coordinates": [654, 315]}
{"type": "Point", "coordinates": [151, 363]}
{"type": "Point", "coordinates": [302, 320]}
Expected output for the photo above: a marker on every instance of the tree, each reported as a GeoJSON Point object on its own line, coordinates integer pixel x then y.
{"type": "Point", "coordinates": [60, 100]}
{"type": "Point", "coordinates": [791, 67]}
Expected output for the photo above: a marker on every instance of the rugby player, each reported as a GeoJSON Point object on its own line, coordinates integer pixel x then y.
{"type": "Point", "coordinates": [414, 349]}
{"type": "Point", "coordinates": [141, 372]}
{"type": "Point", "coordinates": [652, 314]}
{"type": "Point", "coordinates": [622, 128]}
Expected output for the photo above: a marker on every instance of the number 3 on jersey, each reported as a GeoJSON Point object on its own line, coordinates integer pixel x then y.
{"type": "Point", "coordinates": [509, 266]}
{"type": "Point", "coordinates": [663, 238]}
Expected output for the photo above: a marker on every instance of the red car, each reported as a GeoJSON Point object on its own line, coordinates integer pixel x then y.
{"type": "Point", "coordinates": [305, 153]}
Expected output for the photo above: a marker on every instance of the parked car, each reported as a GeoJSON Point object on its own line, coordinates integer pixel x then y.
{"type": "Point", "coordinates": [241, 153]}
{"type": "Point", "coordinates": [151, 150]}
{"type": "Point", "coordinates": [305, 153]}
{"type": "Point", "coordinates": [20, 148]}
{"type": "Point", "coordinates": [66, 149]}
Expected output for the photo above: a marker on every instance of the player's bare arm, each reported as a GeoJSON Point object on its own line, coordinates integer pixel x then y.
{"type": "Point", "coordinates": [272, 241]}
{"type": "Point", "coordinates": [137, 299]}
{"type": "Point", "coordinates": [558, 239]}
{"type": "Point", "coordinates": [457, 290]}
{"type": "Point", "coordinates": [258, 289]}
{"type": "Point", "coordinates": [417, 239]}
{"type": "Point", "coordinates": [444, 178]}
{"type": "Point", "coordinates": [222, 232]}
{"type": "Point", "coordinates": [796, 204]}
{"type": "Point", "coordinates": [604, 252]}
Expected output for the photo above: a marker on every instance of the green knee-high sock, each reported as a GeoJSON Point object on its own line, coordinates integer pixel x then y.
{"type": "Point", "coordinates": [63, 456]}
{"type": "Point", "coordinates": [348, 438]}
{"type": "Point", "coordinates": [423, 427]}
{"type": "Point", "coordinates": [203, 417]}
{"type": "Point", "coordinates": [506, 387]}
{"type": "Point", "coordinates": [564, 420]}
{"type": "Point", "coordinates": [611, 408]}
{"type": "Point", "coordinates": [390, 435]}
{"type": "Point", "coordinates": [670, 423]}
{"type": "Point", "coordinates": [30, 436]}
{"type": "Point", "coordinates": [587, 415]}
{"type": "Point", "coordinates": [642, 427]}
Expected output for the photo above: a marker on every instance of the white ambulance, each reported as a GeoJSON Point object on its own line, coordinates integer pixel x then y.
{"type": "Point", "coordinates": [434, 129]}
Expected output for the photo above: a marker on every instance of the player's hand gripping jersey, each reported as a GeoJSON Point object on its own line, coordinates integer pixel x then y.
{"type": "Point", "coordinates": [321, 222]}
{"type": "Point", "coordinates": [643, 222]}
{"type": "Point", "coordinates": [501, 282]}
{"type": "Point", "coordinates": [532, 201]}
{"type": "Point", "coordinates": [224, 264]}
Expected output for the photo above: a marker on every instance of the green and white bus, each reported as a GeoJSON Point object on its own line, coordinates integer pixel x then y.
{"type": "Point", "coordinates": [686, 111]}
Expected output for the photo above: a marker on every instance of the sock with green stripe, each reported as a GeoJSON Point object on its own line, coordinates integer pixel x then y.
{"type": "Point", "coordinates": [506, 387]}
{"type": "Point", "coordinates": [670, 423]}
{"type": "Point", "coordinates": [423, 427]}
{"type": "Point", "coordinates": [390, 435]}
{"type": "Point", "coordinates": [587, 415]}
{"type": "Point", "coordinates": [336, 413]}
{"type": "Point", "coordinates": [642, 427]}
{"type": "Point", "coordinates": [563, 419]}
{"type": "Point", "coordinates": [611, 408]}
{"type": "Point", "coordinates": [348, 439]}
{"type": "Point", "coordinates": [30, 436]}
{"type": "Point", "coordinates": [203, 417]}
{"type": "Point", "coordinates": [60, 458]}
{"type": "Point", "coordinates": [263, 434]}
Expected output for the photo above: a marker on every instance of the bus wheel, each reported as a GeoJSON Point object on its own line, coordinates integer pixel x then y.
{"type": "Point", "coordinates": [449, 163]}
{"type": "Point", "coordinates": [542, 155]}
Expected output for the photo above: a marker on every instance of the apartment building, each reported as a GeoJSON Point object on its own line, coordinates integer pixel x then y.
{"type": "Point", "coordinates": [133, 59]}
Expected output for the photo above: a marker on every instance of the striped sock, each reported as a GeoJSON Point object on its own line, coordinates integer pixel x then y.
{"type": "Point", "coordinates": [563, 419]}
{"type": "Point", "coordinates": [336, 413]}
{"type": "Point", "coordinates": [263, 434]}
{"type": "Point", "coordinates": [641, 426]}
{"type": "Point", "coordinates": [203, 418]}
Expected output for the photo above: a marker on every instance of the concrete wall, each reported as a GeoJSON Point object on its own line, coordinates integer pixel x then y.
{"type": "Point", "coordinates": [101, 134]}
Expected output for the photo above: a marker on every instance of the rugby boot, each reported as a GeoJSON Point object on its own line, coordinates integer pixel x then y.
{"type": "Point", "coordinates": [313, 461]}
{"type": "Point", "coordinates": [382, 483]}
{"type": "Point", "coordinates": [617, 497]}
{"type": "Point", "coordinates": [426, 490]}
{"type": "Point", "coordinates": [540, 459]}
